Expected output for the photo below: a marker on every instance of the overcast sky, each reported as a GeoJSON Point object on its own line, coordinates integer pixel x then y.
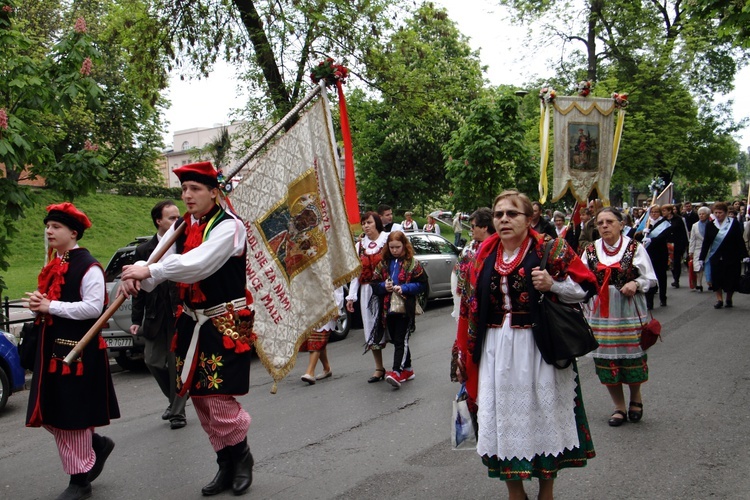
{"type": "Point", "coordinates": [205, 103]}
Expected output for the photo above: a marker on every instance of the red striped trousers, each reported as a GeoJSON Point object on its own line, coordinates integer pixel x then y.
{"type": "Point", "coordinates": [76, 452]}
{"type": "Point", "coordinates": [223, 419]}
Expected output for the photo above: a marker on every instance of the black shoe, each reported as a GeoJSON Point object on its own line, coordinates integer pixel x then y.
{"type": "Point", "coordinates": [103, 446]}
{"type": "Point", "coordinates": [167, 413]}
{"type": "Point", "coordinates": [663, 303]}
{"type": "Point", "coordinates": [728, 303]}
{"type": "Point", "coordinates": [243, 467]}
{"type": "Point", "coordinates": [617, 422]}
{"type": "Point", "coordinates": [675, 284]}
{"type": "Point", "coordinates": [75, 492]}
{"type": "Point", "coordinates": [177, 422]}
{"type": "Point", "coordinates": [376, 378]}
{"type": "Point", "coordinates": [719, 304]}
{"type": "Point", "coordinates": [223, 479]}
{"type": "Point", "coordinates": [635, 415]}
{"type": "Point", "coordinates": [699, 288]}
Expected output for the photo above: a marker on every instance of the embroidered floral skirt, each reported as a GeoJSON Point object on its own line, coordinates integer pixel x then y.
{"type": "Point", "coordinates": [622, 371]}
{"type": "Point", "coordinates": [317, 341]}
{"type": "Point", "coordinates": [619, 358]}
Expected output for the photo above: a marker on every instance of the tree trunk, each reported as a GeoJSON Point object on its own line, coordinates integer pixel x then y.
{"type": "Point", "coordinates": [264, 55]}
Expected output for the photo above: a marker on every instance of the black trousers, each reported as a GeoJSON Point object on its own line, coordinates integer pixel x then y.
{"type": "Point", "coordinates": [398, 328]}
{"type": "Point", "coordinates": [661, 278]}
{"type": "Point", "coordinates": [679, 253]}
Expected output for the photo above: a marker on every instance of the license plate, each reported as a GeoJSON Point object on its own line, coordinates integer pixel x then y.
{"type": "Point", "coordinates": [119, 342]}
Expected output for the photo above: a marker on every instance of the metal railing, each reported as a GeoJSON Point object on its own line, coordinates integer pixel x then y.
{"type": "Point", "coordinates": [7, 306]}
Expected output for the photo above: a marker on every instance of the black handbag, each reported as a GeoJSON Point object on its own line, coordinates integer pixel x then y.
{"type": "Point", "coordinates": [561, 332]}
{"type": "Point", "coordinates": [28, 345]}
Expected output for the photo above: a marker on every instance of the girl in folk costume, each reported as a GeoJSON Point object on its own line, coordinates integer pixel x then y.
{"type": "Point", "coordinates": [532, 422]}
{"type": "Point", "coordinates": [721, 254]}
{"type": "Point", "coordinates": [398, 273]}
{"type": "Point", "coordinates": [368, 249]}
{"type": "Point", "coordinates": [317, 342]}
{"type": "Point", "coordinates": [431, 226]}
{"type": "Point", "coordinates": [69, 401]}
{"type": "Point", "coordinates": [214, 323]}
{"type": "Point", "coordinates": [624, 273]}
{"type": "Point", "coordinates": [409, 225]}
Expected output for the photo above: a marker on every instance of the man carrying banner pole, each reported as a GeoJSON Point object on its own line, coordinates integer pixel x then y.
{"type": "Point", "coordinates": [214, 328]}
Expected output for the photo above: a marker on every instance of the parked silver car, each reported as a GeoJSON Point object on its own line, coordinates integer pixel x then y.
{"type": "Point", "coordinates": [126, 348]}
{"type": "Point", "coordinates": [438, 256]}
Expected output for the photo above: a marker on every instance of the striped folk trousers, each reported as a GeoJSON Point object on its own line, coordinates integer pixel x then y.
{"type": "Point", "coordinates": [75, 448]}
{"type": "Point", "coordinates": [223, 419]}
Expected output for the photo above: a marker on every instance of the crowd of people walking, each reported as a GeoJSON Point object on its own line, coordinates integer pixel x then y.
{"type": "Point", "coordinates": [529, 416]}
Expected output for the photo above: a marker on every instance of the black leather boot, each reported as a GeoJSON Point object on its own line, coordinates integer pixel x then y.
{"type": "Point", "coordinates": [103, 446]}
{"type": "Point", "coordinates": [78, 489]}
{"type": "Point", "coordinates": [223, 479]}
{"type": "Point", "coordinates": [243, 467]}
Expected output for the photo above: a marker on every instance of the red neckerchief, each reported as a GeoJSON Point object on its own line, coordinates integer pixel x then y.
{"type": "Point", "coordinates": [51, 280]}
{"type": "Point", "coordinates": [193, 238]}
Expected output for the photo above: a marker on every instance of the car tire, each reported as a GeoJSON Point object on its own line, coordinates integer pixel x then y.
{"type": "Point", "coordinates": [4, 388]}
{"type": "Point", "coordinates": [343, 325]}
{"type": "Point", "coordinates": [130, 363]}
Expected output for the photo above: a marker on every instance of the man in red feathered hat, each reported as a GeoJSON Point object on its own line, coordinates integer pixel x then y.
{"type": "Point", "coordinates": [69, 401]}
{"type": "Point", "coordinates": [214, 325]}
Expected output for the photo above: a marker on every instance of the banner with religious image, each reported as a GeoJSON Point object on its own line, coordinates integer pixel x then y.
{"type": "Point", "coordinates": [299, 244]}
{"type": "Point", "coordinates": [584, 129]}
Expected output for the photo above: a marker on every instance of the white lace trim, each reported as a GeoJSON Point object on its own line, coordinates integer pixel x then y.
{"type": "Point", "coordinates": [526, 407]}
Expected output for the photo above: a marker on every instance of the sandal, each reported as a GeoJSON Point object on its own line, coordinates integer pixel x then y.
{"type": "Point", "coordinates": [635, 415]}
{"type": "Point", "coordinates": [617, 422]}
{"type": "Point", "coordinates": [375, 378]}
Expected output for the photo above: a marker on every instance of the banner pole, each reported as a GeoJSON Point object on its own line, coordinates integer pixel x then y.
{"type": "Point", "coordinates": [271, 132]}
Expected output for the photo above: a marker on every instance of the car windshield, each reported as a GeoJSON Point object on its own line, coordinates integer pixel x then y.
{"type": "Point", "coordinates": [123, 257]}
{"type": "Point", "coordinates": [422, 246]}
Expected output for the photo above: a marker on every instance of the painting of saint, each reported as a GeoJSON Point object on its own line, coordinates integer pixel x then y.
{"type": "Point", "coordinates": [583, 146]}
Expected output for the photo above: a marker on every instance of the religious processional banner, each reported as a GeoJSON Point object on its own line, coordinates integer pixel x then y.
{"type": "Point", "coordinates": [584, 151]}
{"type": "Point", "coordinates": [299, 245]}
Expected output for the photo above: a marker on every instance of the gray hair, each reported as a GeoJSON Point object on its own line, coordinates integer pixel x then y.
{"type": "Point", "coordinates": [558, 214]}
{"type": "Point", "coordinates": [704, 210]}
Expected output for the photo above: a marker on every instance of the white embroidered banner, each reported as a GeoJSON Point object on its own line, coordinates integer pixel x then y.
{"type": "Point", "coordinates": [299, 245]}
{"type": "Point", "coordinates": [584, 135]}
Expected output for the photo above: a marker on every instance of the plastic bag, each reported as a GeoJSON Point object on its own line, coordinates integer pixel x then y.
{"type": "Point", "coordinates": [463, 436]}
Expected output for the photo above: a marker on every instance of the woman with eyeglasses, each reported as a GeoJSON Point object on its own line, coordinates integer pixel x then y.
{"type": "Point", "coordinates": [531, 418]}
{"type": "Point", "coordinates": [624, 273]}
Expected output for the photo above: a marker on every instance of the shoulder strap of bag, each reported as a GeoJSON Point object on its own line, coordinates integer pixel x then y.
{"type": "Point", "coordinates": [547, 248]}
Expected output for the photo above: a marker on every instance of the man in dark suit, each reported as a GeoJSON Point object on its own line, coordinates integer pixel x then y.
{"type": "Point", "coordinates": [153, 317]}
{"type": "Point", "coordinates": [690, 216]}
{"type": "Point", "coordinates": [539, 223]}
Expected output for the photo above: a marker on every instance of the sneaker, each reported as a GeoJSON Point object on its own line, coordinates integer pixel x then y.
{"type": "Point", "coordinates": [407, 374]}
{"type": "Point", "coordinates": [394, 378]}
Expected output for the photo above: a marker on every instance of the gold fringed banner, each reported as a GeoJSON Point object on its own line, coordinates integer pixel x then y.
{"type": "Point", "coordinates": [584, 137]}
{"type": "Point", "coordinates": [299, 245]}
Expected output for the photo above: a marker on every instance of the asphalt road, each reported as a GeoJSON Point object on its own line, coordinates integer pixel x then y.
{"type": "Point", "coordinates": [345, 439]}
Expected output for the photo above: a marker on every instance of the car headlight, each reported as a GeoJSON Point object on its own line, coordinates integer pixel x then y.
{"type": "Point", "coordinates": [12, 338]}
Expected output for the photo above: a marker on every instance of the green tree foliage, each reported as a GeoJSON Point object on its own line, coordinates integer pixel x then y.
{"type": "Point", "coordinates": [40, 86]}
{"type": "Point", "coordinates": [280, 40]}
{"type": "Point", "coordinates": [127, 126]}
{"type": "Point", "coordinates": [670, 62]}
{"type": "Point", "coordinates": [732, 17]}
{"type": "Point", "coordinates": [488, 152]}
{"type": "Point", "coordinates": [427, 76]}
